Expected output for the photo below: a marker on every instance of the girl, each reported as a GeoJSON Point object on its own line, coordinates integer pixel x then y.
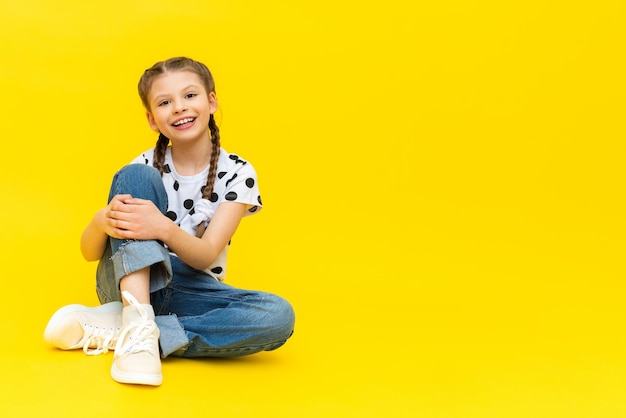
{"type": "Point", "coordinates": [162, 242]}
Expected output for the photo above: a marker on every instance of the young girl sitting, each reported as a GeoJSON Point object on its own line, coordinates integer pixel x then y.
{"type": "Point", "coordinates": [162, 243]}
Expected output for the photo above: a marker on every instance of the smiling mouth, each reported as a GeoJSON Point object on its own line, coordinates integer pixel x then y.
{"type": "Point", "coordinates": [183, 122]}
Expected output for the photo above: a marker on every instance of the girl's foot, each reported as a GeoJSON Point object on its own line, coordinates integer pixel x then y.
{"type": "Point", "coordinates": [137, 359]}
{"type": "Point", "coordinates": [95, 330]}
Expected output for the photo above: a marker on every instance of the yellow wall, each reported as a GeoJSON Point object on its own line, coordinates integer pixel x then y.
{"type": "Point", "coordinates": [443, 184]}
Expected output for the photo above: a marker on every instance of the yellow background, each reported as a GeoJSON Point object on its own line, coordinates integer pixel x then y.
{"type": "Point", "coordinates": [443, 189]}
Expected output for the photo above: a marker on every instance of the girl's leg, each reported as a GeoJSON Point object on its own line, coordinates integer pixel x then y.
{"type": "Point", "coordinates": [133, 268]}
{"type": "Point", "coordinates": [203, 317]}
{"type": "Point", "coordinates": [136, 261]}
{"type": "Point", "coordinates": [138, 284]}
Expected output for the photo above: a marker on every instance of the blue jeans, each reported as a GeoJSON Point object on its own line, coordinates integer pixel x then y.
{"type": "Point", "coordinates": [197, 315]}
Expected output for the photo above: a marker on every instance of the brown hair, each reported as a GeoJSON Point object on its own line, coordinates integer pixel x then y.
{"type": "Point", "coordinates": [201, 70]}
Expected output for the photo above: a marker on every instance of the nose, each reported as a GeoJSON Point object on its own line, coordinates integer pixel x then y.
{"type": "Point", "coordinates": [179, 106]}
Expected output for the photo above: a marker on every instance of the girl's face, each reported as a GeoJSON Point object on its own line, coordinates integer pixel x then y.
{"type": "Point", "coordinates": [180, 107]}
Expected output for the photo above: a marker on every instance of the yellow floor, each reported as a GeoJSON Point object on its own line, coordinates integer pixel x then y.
{"type": "Point", "coordinates": [480, 346]}
{"type": "Point", "coordinates": [444, 202]}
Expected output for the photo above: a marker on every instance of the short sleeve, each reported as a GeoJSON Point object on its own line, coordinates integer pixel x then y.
{"type": "Point", "coordinates": [144, 158]}
{"type": "Point", "coordinates": [239, 184]}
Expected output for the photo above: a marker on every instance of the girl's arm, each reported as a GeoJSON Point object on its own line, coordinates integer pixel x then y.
{"type": "Point", "coordinates": [132, 218]}
{"type": "Point", "coordinates": [94, 237]}
{"type": "Point", "coordinates": [93, 240]}
{"type": "Point", "coordinates": [200, 253]}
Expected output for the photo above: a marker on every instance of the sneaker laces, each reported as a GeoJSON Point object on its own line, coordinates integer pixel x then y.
{"type": "Point", "coordinates": [140, 333]}
{"type": "Point", "coordinates": [102, 337]}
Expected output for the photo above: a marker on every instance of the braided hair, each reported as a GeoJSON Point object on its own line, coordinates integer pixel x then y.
{"type": "Point", "coordinates": [201, 70]}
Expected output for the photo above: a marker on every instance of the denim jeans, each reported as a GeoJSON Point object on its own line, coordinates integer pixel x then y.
{"type": "Point", "coordinates": [197, 315]}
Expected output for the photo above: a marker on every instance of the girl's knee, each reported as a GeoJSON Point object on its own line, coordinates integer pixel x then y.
{"type": "Point", "coordinates": [283, 315]}
{"type": "Point", "coordinates": [142, 181]}
{"type": "Point", "coordinates": [139, 171]}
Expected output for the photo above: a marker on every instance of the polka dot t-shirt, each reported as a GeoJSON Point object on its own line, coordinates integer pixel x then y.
{"type": "Point", "coordinates": [236, 181]}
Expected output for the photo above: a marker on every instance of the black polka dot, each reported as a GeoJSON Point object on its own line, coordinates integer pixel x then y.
{"type": "Point", "coordinates": [188, 204]}
{"type": "Point", "coordinates": [231, 179]}
{"type": "Point", "coordinates": [202, 189]}
{"type": "Point", "coordinates": [221, 174]}
{"type": "Point", "coordinates": [217, 270]}
{"type": "Point", "coordinates": [258, 198]}
{"type": "Point", "coordinates": [230, 196]}
{"type": "Point", "coordinates": [237, 160]}
{"type": "Point", "coordinates": [250, 182]}
{"type": "Point", "coordinates": [214, 197]}
{"type": "Point", "coordinates": [171, 215]}
{"type": "Point", "coordinates": [147, 162]}
{"type": "Point", "coordinates": [176, 185]}
{"type": "Point", "coordinates": [167, 169]}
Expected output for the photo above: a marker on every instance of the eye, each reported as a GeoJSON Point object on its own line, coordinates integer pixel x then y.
{"type": "Point", "coordinates": [190, 95]}
{"type": "Point", "coordinates": [163, 103]}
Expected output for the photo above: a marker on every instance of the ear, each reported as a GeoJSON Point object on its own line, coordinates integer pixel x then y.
{"type": "Point", "coordinates": [212, 102]}
{"type": "Point", "coordinates": [151, 122]}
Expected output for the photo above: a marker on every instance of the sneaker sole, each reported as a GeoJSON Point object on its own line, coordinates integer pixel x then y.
{"type": "Point", "coordinates": [135, 378]}
{"type": "Point", "coordinates": [64, 311]}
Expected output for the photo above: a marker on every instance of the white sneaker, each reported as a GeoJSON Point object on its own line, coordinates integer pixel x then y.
{"type": "Point", "coordinates": [137, 358]}
{"type": "Point", "coordinates": [95, 330]}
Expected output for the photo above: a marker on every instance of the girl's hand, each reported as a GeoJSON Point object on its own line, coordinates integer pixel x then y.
{"type": "Point", "coordinates": [126, 217]}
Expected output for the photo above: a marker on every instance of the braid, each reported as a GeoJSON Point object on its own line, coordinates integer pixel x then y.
{"type": "Point", "coordinates": [159, 153]}
{"type": "Point", "coordinates": [215, 153]}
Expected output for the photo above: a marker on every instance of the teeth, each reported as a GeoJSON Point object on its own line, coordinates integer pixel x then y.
{"type": "Point", "coordinates": [183, 121]}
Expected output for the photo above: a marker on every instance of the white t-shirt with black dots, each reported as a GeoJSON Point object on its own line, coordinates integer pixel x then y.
{"type": "Point", "coordinates": [236, 181]}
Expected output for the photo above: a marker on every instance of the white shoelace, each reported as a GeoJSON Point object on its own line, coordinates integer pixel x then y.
{"type": "Point", "coordinates": [141, 338]}
{"type": "Point", "coordinates": [103, 338]}
{"type": "Point", "coordinates": [140, 333]}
